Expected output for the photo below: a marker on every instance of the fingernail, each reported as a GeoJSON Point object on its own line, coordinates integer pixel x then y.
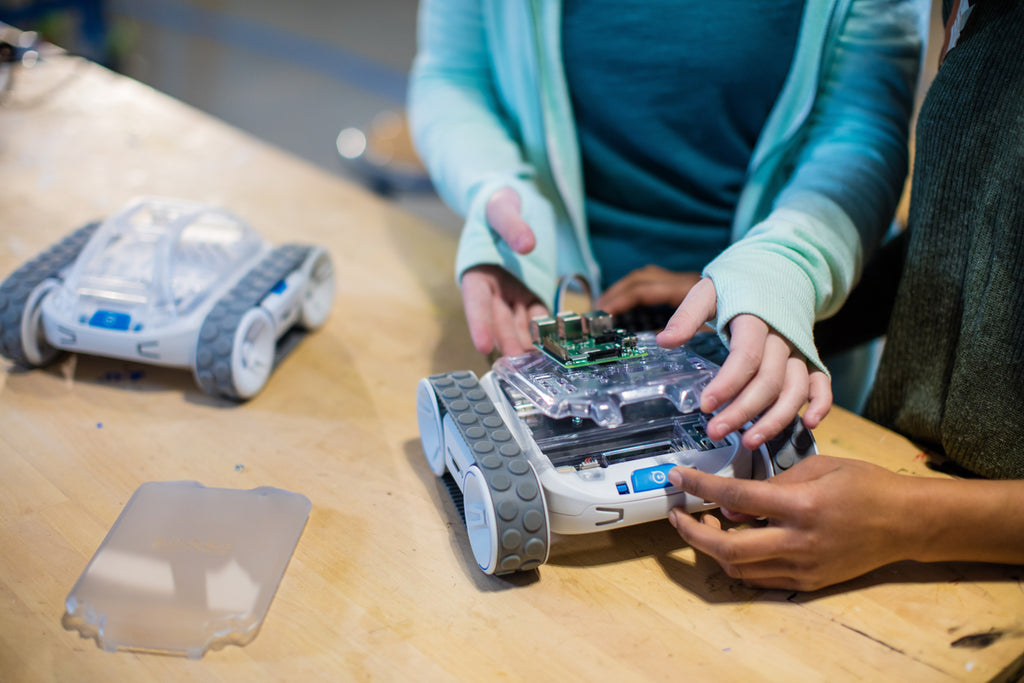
{"type": "Point", "coordinates": [708, 404]}
{"type": "Point", "coordinates": [758, 440]}
{"type": "Point", "coordinates": [672, 517]}
{"type": "Point", "coordinates": [675, 477]}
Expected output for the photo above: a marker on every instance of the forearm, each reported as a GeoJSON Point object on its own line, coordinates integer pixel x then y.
{"type": "Point", "coordinates": [848, 168]}
{"type": "Point", "coordinates": [783, 270]}
{"type": "Point", "coordinates": [965, 520]}
{"type": "Point", "coordinates": [457, 124]}
{"type": "Point", "coordinates": [856, 136]}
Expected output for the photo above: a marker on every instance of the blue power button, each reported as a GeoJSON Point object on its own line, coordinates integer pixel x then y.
{"type": "Point", "coordinates": [651, 478]}
{"type": "Point", "coordinates": [111, 320]}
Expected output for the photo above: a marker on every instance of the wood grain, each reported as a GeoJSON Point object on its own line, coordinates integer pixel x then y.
{"type": "Point", "coordinates": [382, 585]}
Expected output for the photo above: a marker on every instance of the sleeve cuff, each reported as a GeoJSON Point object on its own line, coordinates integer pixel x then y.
{"type": "Point", "coordinates": [480, 245]}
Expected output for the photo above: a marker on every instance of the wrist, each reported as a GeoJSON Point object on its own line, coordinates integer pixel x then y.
{"type": "Point", "coordinates": [922, 518]}
{"type": "Point", "coordinates": [953, 520]}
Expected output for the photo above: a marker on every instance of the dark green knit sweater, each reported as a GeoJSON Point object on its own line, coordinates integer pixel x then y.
{"type": "Point", "coordinates": [952, 373]}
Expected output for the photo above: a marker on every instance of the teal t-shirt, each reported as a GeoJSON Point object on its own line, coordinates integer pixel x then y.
{"type": "Point", "coordinates": [670, 98]}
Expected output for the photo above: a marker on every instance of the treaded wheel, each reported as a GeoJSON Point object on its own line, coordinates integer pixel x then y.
{"type": "Point", "coordinates": [319, 295]}
{"type": "Point", "coordinates": [521, 533]}
{"type": "Point", "coordinates": [252, 354]}
{"type": "Point", "coordinates": [214, 365]}
{"type": "Point", "coordinates": [21, 294]}
{"type": "Point", "coordinates": [481, 521]}
{"type": "Point", "coordinates": [793, 444]}
{"type": "Point", "coordinates": [37, 350]}
{"type": "Point", "coordinates": [428, 418]}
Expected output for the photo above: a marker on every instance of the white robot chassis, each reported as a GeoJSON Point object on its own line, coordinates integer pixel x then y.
{"type": "Point", "coordinates": [167, 282]}
{"type": "Point", "coordinates": [579, 438]}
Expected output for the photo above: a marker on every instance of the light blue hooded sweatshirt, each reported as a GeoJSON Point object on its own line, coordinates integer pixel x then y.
{"type": "Point", "coordinates": [489, 107]}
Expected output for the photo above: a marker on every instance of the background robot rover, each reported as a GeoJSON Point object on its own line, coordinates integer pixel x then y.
{"type": "Point", "coordinates": [167, 282]}
{"type": "Point", "coordinates": [579, 438]}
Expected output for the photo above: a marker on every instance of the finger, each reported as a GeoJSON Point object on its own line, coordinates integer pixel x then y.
{"type": "Point", "coordinates": [771, 572]}
{"type": "Point", "coordinates": [820, 393]}
{"type": "Point", "coordinates": [649, 294]}
{"type": "Point", "coordinates": [742, 496]}
{"type": "Point", "coordinates": [764, 388]}
{"type": "Point", "coordinates": [697, 308]}
{"type": "Point", "coordinates": [521, 325]}
{"type": "Point", "coordinates": [618, 296]}
{"type": "Point", "coordinates": [648, 286]}
{"type": "Point", "coordinates": [734, 516]}
{"type": "Point", "coordinates": [711, 521]}
{"type": "Point", "coordinates": [504, 215]}
{"type": "Point", "coordinates": [746, 352]}
{"type": "Point", "coordinates": [737, 548]}
{"type": "Point", "coordinates": [504, 329]}
{"type": "Point", "coordinates": [537, 310]}
{"type": "Point", "coordinates": [477, 294]}
{"type": "Point", "coordinates": [781, 413]}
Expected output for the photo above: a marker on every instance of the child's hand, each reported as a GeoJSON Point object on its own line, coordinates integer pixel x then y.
{"type": "Point", "coordinates": [498, 306]}
{"type": "Point", "coordinates": [762, 375]}
{"type": "Point", "coordinates": [829, 520]}
{"type": "Point", "coordinates": [648, 286]}
{"type": "Point", "coordinates": [498, 310]}
{"type": "Point", "coordinates": [504, 215]}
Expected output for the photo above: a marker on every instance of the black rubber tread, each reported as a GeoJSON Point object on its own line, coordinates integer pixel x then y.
{"type": "Point", "coordinates": [15, 290]}
{"type": "Point", "coordinates": [514, 487]}
{"type": "Point", "coordinates": [217, 333]}
{"type": "Point", "coordinates": [456, 494]}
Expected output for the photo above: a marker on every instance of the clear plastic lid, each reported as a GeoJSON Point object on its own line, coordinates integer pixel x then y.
{"type": "Point", "coordinates": [598, 392]}
{"type": "Point", "coordinates": [157, 259]}
{"type": "Point", "coordinates": [186, 568]}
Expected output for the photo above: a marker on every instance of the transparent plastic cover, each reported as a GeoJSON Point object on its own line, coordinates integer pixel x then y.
{"type": "Point", "coordinates": [158, 259]}
{"type": "Point", "coordinates": [186, 568]}
{"type": "Point", "coordinates": [598, 392]}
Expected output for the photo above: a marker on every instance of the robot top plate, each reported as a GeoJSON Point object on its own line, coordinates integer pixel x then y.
{"type": "Point", "coordinates": [599, 391]}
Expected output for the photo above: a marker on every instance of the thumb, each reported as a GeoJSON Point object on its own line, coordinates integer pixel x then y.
{"type": "Point", "coordinates": [697, 308]}
{"type": "Point", "coordinates": [504, 215]}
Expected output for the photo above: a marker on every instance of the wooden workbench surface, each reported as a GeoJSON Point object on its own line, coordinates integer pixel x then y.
{"type": "Point", "coordinates": [382, 584]}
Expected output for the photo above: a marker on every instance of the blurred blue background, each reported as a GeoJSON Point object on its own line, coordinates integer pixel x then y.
{"type": "Point", "coordinates": [293, 73]}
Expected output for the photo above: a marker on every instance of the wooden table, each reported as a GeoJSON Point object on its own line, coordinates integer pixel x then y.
{"type": "Point", "coordinates": [382, 584]}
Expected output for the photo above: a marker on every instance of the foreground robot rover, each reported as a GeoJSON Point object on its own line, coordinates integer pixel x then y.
{"type": "Point", "coordinates": [167, 282]}
{"type": "Point", "coordinates": [579, 438]}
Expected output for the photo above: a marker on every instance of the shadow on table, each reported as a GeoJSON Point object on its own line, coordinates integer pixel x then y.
{"type": "Point", "coordinates": [457, 536]}
{"type": "Point", "coordinates": [706, 579]}
{"type": "Point", "coordinates": [320, 364]}
{"type": "Point", "coordinates": [694, 572]}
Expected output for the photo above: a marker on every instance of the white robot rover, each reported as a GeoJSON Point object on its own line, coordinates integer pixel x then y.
{"type": "Point", "coordinates": [167, 282]}
{"type": "Point", "coordinates": [579, 438]}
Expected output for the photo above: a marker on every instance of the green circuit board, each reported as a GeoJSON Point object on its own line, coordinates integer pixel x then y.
{"type": "Point", "coordinates": [576, 341]}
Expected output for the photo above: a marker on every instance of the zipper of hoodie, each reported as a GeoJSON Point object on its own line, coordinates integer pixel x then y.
{"type": "Point", "coordinates": [545, 90]}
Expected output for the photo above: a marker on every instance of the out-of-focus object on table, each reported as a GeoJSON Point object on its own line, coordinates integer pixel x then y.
{"type": "Point", "coordinates": [382, 155]}
{"type": "Point", "coordinates": [186, 568]}
{"type": "Point", "coordinates": [170, 282]}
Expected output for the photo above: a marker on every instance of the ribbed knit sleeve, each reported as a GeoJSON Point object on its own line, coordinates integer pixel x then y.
{"type": "Point", "coordinates": [952, 373]}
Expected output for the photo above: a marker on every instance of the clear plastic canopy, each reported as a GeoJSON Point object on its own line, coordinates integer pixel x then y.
{"type": "Point", "coordinates": [186, 568]}
{"type": "Point", "coordinates": [598, 392]}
